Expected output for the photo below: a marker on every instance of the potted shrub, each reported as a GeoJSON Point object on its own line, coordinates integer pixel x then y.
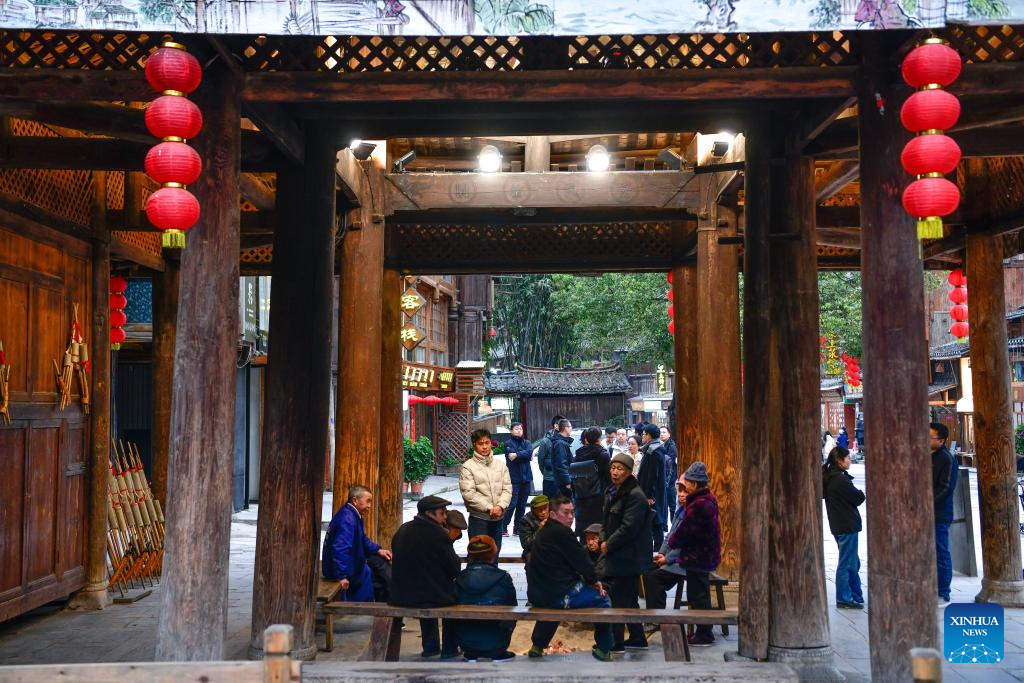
{"type": "Point", "coordinates": [418, 463]}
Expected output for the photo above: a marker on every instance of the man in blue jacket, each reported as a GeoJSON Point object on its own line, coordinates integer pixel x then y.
{"type": "Point", "coordinates": [347, 548]}
{"type": "Point", "coordinates": [518, 456]}
{"type": "Point", "coordinates": [944, 475]}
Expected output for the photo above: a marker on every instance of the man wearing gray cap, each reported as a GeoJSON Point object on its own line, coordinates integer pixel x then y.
{"type": "Point", "coordinates": [424, 569]}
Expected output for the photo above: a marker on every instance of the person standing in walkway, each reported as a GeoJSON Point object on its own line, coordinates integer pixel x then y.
{"type": "Point", "coordinates": [486, 488]}
{"type": "Point", "coordinates": [347, 548]}
{"type": "Point", "coordinates": [671, 454]}
{"type": "Point", "coordinates": [543, 454]}
{"type": "Point", "coordinates": [561, 458]}
{"type": "Point", "coordinates": [944, 475]}
{"type": "Point", "coordinates": [609, 439]}
{"type": "Point", "coordinates": [518, 455]}
{"type": "Point", "coordinates": [482, 583]}
{"type": "Point", "coordinates": [620, 444]}
{"type": "Point", "coordinates": [651, 477]}
{"type": "Point", "coordinates": [633, 451]}
{"type": "Point", "coordinates": [626, 546]}
{"type": "Point", "coordinates": [841, 501]}
{"type": "Point", "coordinates": [560, 575]}
{"type": "Point", "coordinates": [425, 567]}
{"type": "Point", "coordinates": [698, 538]}
{"type": "Point", "coordinates": [590, 479]}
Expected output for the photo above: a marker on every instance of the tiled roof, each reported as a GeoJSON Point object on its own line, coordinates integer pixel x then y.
{"type": "Point", "coordinates": [608, 379]}
{"type": "Point", "coordinates": [953, 349]}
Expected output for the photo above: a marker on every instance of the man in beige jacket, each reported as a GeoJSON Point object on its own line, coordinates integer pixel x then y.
{"type": "Point", "coordinates": [486, 488]}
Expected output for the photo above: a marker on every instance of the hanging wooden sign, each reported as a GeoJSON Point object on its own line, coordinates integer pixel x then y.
{"type": "Point", "coordinates": [411, 302]}
{"type": "Point", "coordinates": [427, 377]}
{"type": "Point", "coordinates": [411, 336]}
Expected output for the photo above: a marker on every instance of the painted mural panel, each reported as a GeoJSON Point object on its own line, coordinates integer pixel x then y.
{"type": "Point", "coordinates": [499, 17]}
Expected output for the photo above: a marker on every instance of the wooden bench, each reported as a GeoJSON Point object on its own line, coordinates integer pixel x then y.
{"type": "Point", "coordinates": [718, 583]}
{"type": "Point", "coordinates": [328, 590]}
{"type": "Point", "coordinates": [386, 634]}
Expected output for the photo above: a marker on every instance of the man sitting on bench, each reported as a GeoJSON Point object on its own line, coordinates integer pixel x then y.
{"type": "Point", "coordinates": [482, 583]}
{"type": "Point", "coordinates": [560, 575]}
{"type": "Point", "coordinates": [347, 548]}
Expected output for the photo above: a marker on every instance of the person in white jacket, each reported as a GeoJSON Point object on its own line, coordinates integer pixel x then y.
{"type": "Point", "coordinates": [486, 488]}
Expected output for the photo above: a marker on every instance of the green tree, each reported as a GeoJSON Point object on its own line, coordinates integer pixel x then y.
{"type": "Point", "coordinates": [839, 309]}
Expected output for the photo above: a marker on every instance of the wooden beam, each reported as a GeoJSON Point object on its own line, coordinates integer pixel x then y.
{"type": "Point", "coordinates": [17, 213]}
{"type": "Point", "coordinates": [832, 182]}
{"type": "Point", "coordinates": [256, 191]}
{"type": "Point", "coordinates": [539, 215]}
{"type": "Point", "coordinates": [817, 117]}
{"type": "Point", "coordinates": [661, 189]}
{"type": "Point", "coordinates": [123, 251]}
{"type": "Point", "coordinates": [976, 141]}
{"type": "Point", "coordinates": [251, 222]}
{"type": "Point", "coordinates": [837, 216]}
{"type": "Point", "coordinates": [52, 84]}
{"type": "Point", "coordinates": [95, 118]}
{"type": "Point", "coordinates": [847, 238]}
{"type": "Point", "coordinates": [389, 488]}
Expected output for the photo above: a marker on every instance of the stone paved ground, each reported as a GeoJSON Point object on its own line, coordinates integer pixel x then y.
{"type": "Point", "coordinates": [127, 633]}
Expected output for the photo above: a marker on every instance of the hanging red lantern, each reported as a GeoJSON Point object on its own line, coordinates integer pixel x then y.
{"type": "Point", "coordinates": [930, 154]}
{"type": "Point", "coordinates": [173, 162]}
{"type": "Point", "coordinates": [117, 336]}
{"type": "Point", "coordinates": [117, 318]}
{"type": "Point", "coordinates": [958, 295]}
{"type": "Point", "coordinates": [413, 400]}
{"type": "Point", "coordinates": [117, 285]}
{"type": "Point", "coordinates": [957, 278]}
{"type": "Point", "coordinates": [173, 117]}
{"type": "Point", "coordinates": [931, 62]}
{"type": "Point", "coordinates": [930, 110]}
{"type": "Point", "coordinates": [672, 327]}
{"type": "Point", "coordinates": [958, 313]}
{"type": "Point", "coordinates": [669, 277]}
{"type": "Point", "coordinates": [671, 295]}
{"type": "Point", "coordinates": [929, 199]}
{"type": "Point", "coordinates": [173, 210]}
{"type": "Point", "coordinates": [118, 301]}
{"type": "Point", "coordinates": [172, 68]}
{"type": "Point", "coordinates": [671, 311]}
{"type": "Point", "coordinates": [960, 330]}
{"type": "Point", "coordinates": [492, 332]}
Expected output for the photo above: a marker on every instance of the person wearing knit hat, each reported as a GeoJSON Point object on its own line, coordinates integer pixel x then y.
{"type": "Point", "coordinates": [592, 541]}
{"type": "Point", "coordinates": [456, 523]}
{"type": "Point", "coordinates": [698, 540]}
{"type": "Point", "coordinates": [531, 523]}
{"type": "Point", "coordinates": [483, 583]}
{"type": "Point", "coordinates": [624, 458]}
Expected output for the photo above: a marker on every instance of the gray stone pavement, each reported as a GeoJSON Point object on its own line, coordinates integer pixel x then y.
{"type": "Point", "coordinates": [127, 632]}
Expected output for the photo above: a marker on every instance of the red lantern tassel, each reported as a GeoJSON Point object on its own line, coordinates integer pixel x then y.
{"type": "Point", "coordinates": [929, 228]}
{"type": "Point", "coordinates": [175, 239]}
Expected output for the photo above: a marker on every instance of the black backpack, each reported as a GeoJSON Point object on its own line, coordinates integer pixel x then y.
{"type": "Point", "coordinates": [586, 479]}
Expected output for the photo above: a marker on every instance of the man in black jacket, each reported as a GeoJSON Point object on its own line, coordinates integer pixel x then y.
{"type": "Point", "coordinates": [561, 458]}
{"type": "Point", "coordinates": [560, 575]}
{"type": "Point", "coordinates": [590, 479]}
{"type": "Point", "coordinates": [423, 573]}
{"type": "Point", "coordinates": [518, 456]}
{"type": "Point", "coordinates": [651, 478]}
{"type": "Point", "coordinates": [944, 475]}
{"type": "Point", "coordinates": [627, 545]}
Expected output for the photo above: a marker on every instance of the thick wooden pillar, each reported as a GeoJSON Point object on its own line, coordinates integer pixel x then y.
{"type": "Point", "coordinates": [798, 632]}
{"type": "Point", "coordinates": [758, 370]}
{"type": "Point", "coordinates": [298, 385]}
{"type": "Point", "coordinates": [997, 481]}
{"type": "Point", "coordinates": [360, 338]}
{"type": "Point", "coordinates": [389, 486]}
{"type": "Point", "coordinates": [194, 595]}
{"type": "Point", "coordinates": [718, 372]}
{"type": "Point", "coordinates": [165, 333]}
{"type": "Point", "coordinates": [901, 550]}
{"type": "Point", "coordinates": [94, 595]}
{"type": "Point", "coordinates": [684, 389]}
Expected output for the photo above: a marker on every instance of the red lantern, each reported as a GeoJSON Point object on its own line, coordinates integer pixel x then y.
{"type": "Point", "coordinates": [929, 199]}
{"type": "Point", "coordinates": [413, 400]}
{"type": "Point", "coordinates": [116, 337]}
{"type": "Point", "coordinates": [669, 277]}
{"type": "Point", "coordinates": [117, 318]}
{"type": "Point", "coordinates": [958, 295]}
{"type": "Point", "coordinates": [492, 332]}
{"type": "Point", "coordinates": [930, 110]}
{"type": "Point", "coordinates": [671, 295]}
{"type": "Point", "coordinates": [957, 278]}
{"type": "Point", "coordinates": [930, 154]}
{"type": "Point", "coordinates": [431, 400]}
{"type": "Point", "coordinates": [452, 401]}
{"type": "Point", "coordinates": [960, 330]}
{"type": "Point", "coordinates": [173, 210]}
{"type": "Point", "coordinates": [958, 313]}
{"type": "Point", "coordinates": [932, 62]}
{"type": "Point", "coordinates": [173, 68]}
{"type": "Point", "coordinates": [173, 162]}
{"type": "Point", "coordinates": [170, 116]}
{"type": "Point", "coordinates": [118, 301]}
{"type": "Point", "coordinates": [854, 377]}
{"type": "Point", "coordinates": [671, 311]}
{"type": "Point", "coordinates": [671, 326]}
{"type": "Point", "coordinates": [118, 284]}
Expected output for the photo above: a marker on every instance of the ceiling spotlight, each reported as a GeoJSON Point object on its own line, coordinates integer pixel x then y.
{"type": "Point", "coordinates": [489, 159]}
{"type": "Point", "coordinates": [671, 159]}
{"type": "Point", "coordinates": [361, 150]}
{"type": "Point", "coordinates": [598, 159]}
{"type": "Point", "coordinates": [403, 161]}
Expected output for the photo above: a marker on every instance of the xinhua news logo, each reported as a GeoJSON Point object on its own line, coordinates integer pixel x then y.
{"type": "Point", "coordinates": [973, 633]}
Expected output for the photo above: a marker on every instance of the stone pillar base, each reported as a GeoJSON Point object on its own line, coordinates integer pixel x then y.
{"type": "Point", "coordinates": [1005, 593]}
{"type": "Point", "coordinates": [810, 664]}
{"type": "Point", "coordinates": [306, 654]}
{"type": "Point", "coordinates": [737, 657]}
{"type": "Point", "coordinates": [91, 597]}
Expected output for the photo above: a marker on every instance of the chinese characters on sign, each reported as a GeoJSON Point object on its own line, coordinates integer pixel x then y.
{"type": "Point", "coordinates": [662, 375]}
{"type": "Point", "coordinates": [411, 336]}
{"type": "Point", "coordinates": [832, 356]}
{"type": "Point", "coordinates": [427, 377]}
{"type": "Point", "coordinates": [411, 302]}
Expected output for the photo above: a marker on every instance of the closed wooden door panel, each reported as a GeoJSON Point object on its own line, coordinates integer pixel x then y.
{"type": "Point", "coordinates": [15, 333]}
{"type": "Point", "coordinates": [42, 254]}
{"type": "Point", "coordinates": [12, 500]}
{"type": "Point", "coordinates": [50, 338]}
{"type": "Point", "coordinates": [72, 509]}
{"type": "Point", "coordinates": [41, 515]}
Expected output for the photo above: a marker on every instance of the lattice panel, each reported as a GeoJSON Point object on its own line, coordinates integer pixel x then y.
{"type": "Point", "coordinates": [452, 435]}
{"type": "Point", "coordinates": [843, 199]}
{"type": "Point", "coordinates": [987, 43]}
{"type": "Point", "coordinates": [1005, 182]}
{"type": "Point", "coordinates": [258, 255]}
{"type": "Point", "coordinates": [87, 50]}
{"type": "Point", "coordinates": [66, 194]}
{"type": "Point", "coordinates": [147, 241]}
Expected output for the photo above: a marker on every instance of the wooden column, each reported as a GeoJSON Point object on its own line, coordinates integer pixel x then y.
{"type": "Point", "coordinates": [537, 154]}
{"type": "Point", "coordinates": [194, 595]}
{"type": "Point", "coordinates": [165, 333]}
{"type": "Point", "coordinates": [758, 370]}
{"type": "Point", "coordinates": [360, 335]}
{"type": "Point", "coordinates": [901, 550]}
{"type": "Point", "coordinates": [297, 413]}
{"type": "Point", "coordinates": [389, 487]}
{"type": "Point", "coordinates": [94, 595]}
{"type": "Point", "coordinates": [718, 372]}
{"type": "Point", "coordinates": [798, 632]}
{"type": "Point", "coordinates": [684, 389]}
{"type": "Point", "coordinates": [997, 481]}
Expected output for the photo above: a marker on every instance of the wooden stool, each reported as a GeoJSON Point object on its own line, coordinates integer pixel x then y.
{"type": "Point", "coordinates": [714, 580]}
{"type": "Point", "coordinates": [328, 590]}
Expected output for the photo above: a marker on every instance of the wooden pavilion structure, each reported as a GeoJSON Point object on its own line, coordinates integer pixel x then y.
{"type": "Point", "coordinates": [817, 111]}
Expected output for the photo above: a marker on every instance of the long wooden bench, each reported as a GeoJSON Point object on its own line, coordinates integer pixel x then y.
{"type": "Point", "coordinates": [714, 581]}
{"type": "Point", "coordinates": [328, 590]}
{"type": "Point", "coordinates": [386, 634]}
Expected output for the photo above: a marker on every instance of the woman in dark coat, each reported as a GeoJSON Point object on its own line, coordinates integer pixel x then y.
{"type": "Point", "coordinates": [627, 546]}
{"type": "Point", "coordinates": [590, 480]}
{"type": "Point", "coordinates": [841, 501]}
